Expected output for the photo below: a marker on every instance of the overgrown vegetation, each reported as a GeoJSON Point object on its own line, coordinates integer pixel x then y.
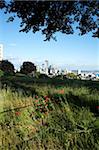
{"type": "Point", "coordinates": [7, 67]}
{"type": "Point", "coordinates": [51, 116]}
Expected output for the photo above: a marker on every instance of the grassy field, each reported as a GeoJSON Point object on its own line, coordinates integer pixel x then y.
{"type": "Point", "coordinates": [48, 114]}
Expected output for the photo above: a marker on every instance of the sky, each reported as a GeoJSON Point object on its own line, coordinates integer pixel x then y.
{"type": "Point", "coordinates": [69, 51]}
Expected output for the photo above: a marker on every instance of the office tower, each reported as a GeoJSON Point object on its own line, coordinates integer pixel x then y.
{"type": "Point", "coordinates": [46, 67]}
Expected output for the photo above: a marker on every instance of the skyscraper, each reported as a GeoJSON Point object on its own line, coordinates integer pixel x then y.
{"type": "Point", "coordinates": [1, 52]}
{"type": "Point", "coordinates": [46, 66]}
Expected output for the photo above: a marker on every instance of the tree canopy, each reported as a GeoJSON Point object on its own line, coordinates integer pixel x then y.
{"type": "Point", "coordinates": [27, 67]}
{"type": "Point", "coordinates": [7, 67]}
{"type": "Point", "coordinates": [50, 17]}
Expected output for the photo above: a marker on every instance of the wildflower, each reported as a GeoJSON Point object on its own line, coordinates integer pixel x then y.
{"type": "Point", "coordinates": [36, 96]}
{"type": "Point", "coordinates": [46, 97]}
{"type": "Point", "coordinates": [38, 105]}
{"type": "Point", "coordinates": [46, 105]}
{"type": "Point", "coordinates": [61, 92]}
{"type": "Point", "coordinates": [97, 107]}
{"type": "Point", "coordinates": [17, 113]}
{"type": "Point", "coordinates": [46, 100]}
{"type": "Point", "coordinates": [36, 101]}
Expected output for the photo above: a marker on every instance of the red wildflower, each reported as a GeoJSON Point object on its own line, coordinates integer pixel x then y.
{"type": "Point", "coordinates": [36, 96]}
{"type": "Point", "coordinates": [46, 105]}
{"type": "Point", "coordinates": [36, 101]}
{"type": "Point", "coordinates": [17, 113]}
{"type": "Point", "coordinates": [46, 100]}
{"type": "Point", "coordinates": [61, 92]}
{"type": "Point", "coordinates": [97, 107]}
{"type": "Point", "coordinates": [46, 97]}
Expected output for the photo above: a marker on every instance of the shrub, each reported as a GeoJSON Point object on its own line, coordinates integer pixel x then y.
{"type": "Point", "coordinates": [1, 73]}
{"type": "Point", "coordinates": [7, 67]}
{"type": "Point", "coordinates": [43, 76]}
{"type": "Point", "coordinates": [72, 75]}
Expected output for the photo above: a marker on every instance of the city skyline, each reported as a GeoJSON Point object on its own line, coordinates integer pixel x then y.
{"type": "Point", "coordinates": [72, 51]}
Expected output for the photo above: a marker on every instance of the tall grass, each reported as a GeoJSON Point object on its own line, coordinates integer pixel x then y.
{"type": "Point", "coordinates": [52, 118]}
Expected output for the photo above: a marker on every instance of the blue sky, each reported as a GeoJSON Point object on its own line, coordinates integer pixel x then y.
{"type": "Point", "coordinates": [70, 51]}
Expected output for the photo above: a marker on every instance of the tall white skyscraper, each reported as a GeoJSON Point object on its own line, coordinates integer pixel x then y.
{"type": "Point", "coordinates": [1, 52]}
{"type": "Point", "coordinates": [46, 66]}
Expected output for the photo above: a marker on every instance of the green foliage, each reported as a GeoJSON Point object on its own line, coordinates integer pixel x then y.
{"type": "Point", "coordinates": [72, 75]}
{"type": "Point", "coordinates": [53, 118]}
{"type": "Point", "coordinates": [27, 67]}
{"type": "Point", "coordinates": [37, 75]}
{"type": "Point", "coordinates": [58, 77]}
{"type": "Point", "coordinates": [7, 67]}
{"type": "Point", "coordinates": [1, 73]}
{"type": "Point", "coordinates": [50, 17]}
{"type": "Point", "coordinates": [43, 76]}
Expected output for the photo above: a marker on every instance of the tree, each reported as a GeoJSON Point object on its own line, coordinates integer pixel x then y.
{"type": "Point", "coordinates": [27, 67]}
{"type": "Point", "coordinates": [50, 17]}
{"type": "Point", "coordinates": [71, 75]}
{"type": "Point", "coordinates": [2, 4]}
{"type": "Point", "coordinates": [7, 67]}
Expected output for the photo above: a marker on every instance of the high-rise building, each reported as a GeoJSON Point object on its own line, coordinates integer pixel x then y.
{"type": "Point", "coordinates": [46, 66]}
{"type": "Point", "coordinates": [1, 52]}
{"type": "Point", "coordinates": [79, 71]}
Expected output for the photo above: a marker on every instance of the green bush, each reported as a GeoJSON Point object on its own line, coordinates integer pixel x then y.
{"type": "Point", "coordinates": [7, 67]}
{"type": "Point", "coordinates": [1, 73]}
{"type": "Point", "coordinates": [72, 75]}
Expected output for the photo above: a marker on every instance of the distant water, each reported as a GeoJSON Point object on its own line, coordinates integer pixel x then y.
{"type": "Point", "coordinates": [90, 71]}
{"type": "Point", "coordinates": [96, 72]}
